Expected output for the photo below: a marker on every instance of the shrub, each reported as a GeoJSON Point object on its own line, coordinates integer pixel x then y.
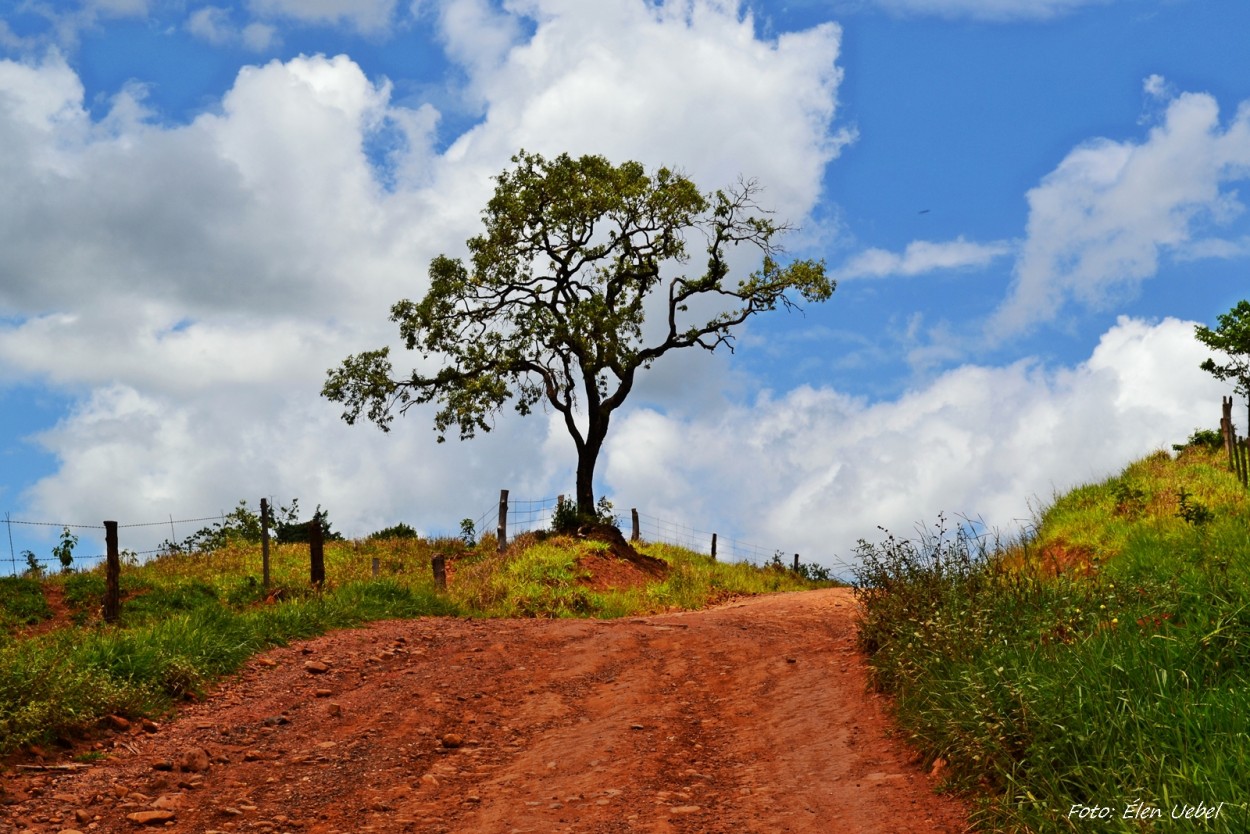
{"type": "Point", "coordinates": [396, 531]}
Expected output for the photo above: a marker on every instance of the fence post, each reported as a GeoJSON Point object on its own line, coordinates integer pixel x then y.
{"type": "Point", "coordinates": [713, 547]}
{"type": "Point", "coordinates": [316, 552]}
{"type": "Point", "coordinates": [1226, 429]}
{"type": "Point", "coordinates": [264, 540]}
{"type": "Point", "coordinates": [634, 533]}
{"type": "Point", "coordinates": [502, 531]}
{"type": "Point", "coordinates": [439, 565]}
{"type": "Point", "coordinates": [1243, 454]}
{"type": "Point", "coordinates": [112, 575]}
{"type": "Point", "coordinates": [377, 566]}
{"type": "Point", "coordinates": [796, 563]}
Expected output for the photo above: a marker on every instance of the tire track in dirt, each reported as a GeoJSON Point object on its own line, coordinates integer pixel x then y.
{"type": "Point", "coordinates": [744, 719]}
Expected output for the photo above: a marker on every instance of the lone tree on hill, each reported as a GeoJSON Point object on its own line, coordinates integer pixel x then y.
{"type": "Point", "coordinates": [1232, 337]}
{"type": "Point", "coordinates": [551, 306]}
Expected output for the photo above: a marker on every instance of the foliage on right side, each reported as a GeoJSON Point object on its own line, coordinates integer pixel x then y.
{"type": "Point", "coordinates": [1092, 675]}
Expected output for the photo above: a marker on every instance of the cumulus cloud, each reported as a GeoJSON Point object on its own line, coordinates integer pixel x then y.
{"type": "Point", "coordinates": [994, 10]}
{"type": "Point", "coordinates": [989, 442]}
{"type": "Point", "coordinates": [920, 257]}
{"type": "Point", "coordinates": [1102, 220]}
{"type": "Point", "coordinates": [600, 78]}
{"type": "Point", "coordinates": [191, 283]}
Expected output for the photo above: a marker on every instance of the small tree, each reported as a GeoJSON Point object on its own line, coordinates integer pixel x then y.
{"type": "Point", "coordinates": [64, 551]}
{"type": "Point", "coordinates": [551, 307]}
{"type": "Point", "coordinates": [1232, 338]}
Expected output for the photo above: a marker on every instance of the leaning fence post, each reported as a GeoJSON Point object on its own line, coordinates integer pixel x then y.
{"type": "Point", "coordinates": [713, 547]}
{"type": "Point", "coordinates": [112, 575]}
{"type": "Point", "coordinates": [502, 531]}
{"type": "Point", "coordinates": [316, 552]}
{"type": "Point", "coordinates": [439, 565]}
{"type": "Point", "coordinates": [634, 533]}
{"type": "Point", "coordinates": [264, 540]}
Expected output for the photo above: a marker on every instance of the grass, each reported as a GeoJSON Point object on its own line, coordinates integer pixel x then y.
{"type": "Point", "coordinates": [187, 619]}
{"type": "Point", "coordinates": [1092, 675]}
{"type": "Point", "coordinates": [22, 602]}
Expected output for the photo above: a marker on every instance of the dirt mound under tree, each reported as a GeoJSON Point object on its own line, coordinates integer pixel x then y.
{"type": "Point", "coordinates": [621, 549]}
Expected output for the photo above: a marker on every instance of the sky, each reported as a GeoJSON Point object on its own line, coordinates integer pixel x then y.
{"type": "Point", "coordinates": [1027, 205]}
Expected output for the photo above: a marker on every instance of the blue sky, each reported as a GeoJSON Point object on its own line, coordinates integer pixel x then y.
{"type": "Point", "coordinates": [1028, 205]}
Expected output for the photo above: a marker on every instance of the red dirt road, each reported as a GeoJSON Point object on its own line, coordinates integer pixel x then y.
{"type": "Point", "coordinates": [750, 717]}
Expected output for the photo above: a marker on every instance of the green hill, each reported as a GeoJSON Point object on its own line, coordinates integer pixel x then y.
{"type": "Point", "coordinates": [1093, 675]}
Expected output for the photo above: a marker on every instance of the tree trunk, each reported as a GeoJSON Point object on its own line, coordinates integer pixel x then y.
{"type": "Point", "coordinates": [587, 458]}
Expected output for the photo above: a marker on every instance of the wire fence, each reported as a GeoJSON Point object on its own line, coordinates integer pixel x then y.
{"type": "Point", "coordinates": [521, 516]}
{"type": "Point", "coordinates": [527, 515]}
{"type": "Point", "coordinates": [24, 559]}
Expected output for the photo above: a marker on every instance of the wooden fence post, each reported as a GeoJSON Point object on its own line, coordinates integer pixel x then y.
{"type": "Point", "coordinates": [377, 566]}
{"type": "Point", "coordinates": [1243, 454]}
{"type": "Point", "coordinates": [502, 531]}
{"type": "Point", "coordinates": [713, 547]}
{"type": "Point", "coordinates": [1226, 429]}
{"type": "Point", "coordinates": [264, 540]}
{"type": "Point", "coordinates": [796, 563]}
{"type": "Point", "coordinates": [439, 565]}
{"type": "Point", "coordinates": [316, 552]}
{"type": "Point", "coordinates": [634, 533]}
{"type": "Point", "coordinates": [112, 575]}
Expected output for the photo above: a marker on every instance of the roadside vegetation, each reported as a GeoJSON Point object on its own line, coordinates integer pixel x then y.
{"type": "Point", "coordinates": [1092, 675]}
{"type": "Point", "coordinates": [194, 615]}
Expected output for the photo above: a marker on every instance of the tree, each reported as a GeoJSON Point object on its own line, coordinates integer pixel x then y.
{"type": "Point", "coordinates": [1232, 338]}
{"type": "Point", "coordinates": [552, 304]}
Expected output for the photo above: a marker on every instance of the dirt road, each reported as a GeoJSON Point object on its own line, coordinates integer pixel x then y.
{"type": "Point", "coordinates": [751, 717]}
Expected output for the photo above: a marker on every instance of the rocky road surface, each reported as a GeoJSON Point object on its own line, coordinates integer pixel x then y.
{"type": "Point", "coordinates": [749, 718]}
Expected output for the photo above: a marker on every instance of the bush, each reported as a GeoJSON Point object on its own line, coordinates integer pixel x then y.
{"type": "Point", "coordinates": [397, 531]}
{"type": "Point", "coordinates": [567, 519]}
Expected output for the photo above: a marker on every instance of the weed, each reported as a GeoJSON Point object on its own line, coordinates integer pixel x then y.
{"type": "Point", "coordinates": [1194, 512]}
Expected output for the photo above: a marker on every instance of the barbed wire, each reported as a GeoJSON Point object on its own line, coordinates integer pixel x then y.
{"type": "Point", "coordinates": [166, 522]}
{"type": "Point", "coordinates": [55, 524]}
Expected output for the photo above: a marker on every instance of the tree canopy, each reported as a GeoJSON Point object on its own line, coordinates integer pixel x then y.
{"type": "Point", "coordinates": [551, 306]}
{"type": "Point", "coordinates": [1232, 338]}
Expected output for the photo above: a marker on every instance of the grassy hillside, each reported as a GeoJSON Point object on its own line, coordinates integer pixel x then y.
{"type": "Point", "coordinates": [1092, 677]}
{"type": "Point", "coordinates": [189, 618]}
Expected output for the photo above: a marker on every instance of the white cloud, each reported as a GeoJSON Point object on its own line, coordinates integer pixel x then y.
{"type": "Point", "coordinates": [920, 257]}
{"type": "Point", "coordinates": [259, 37]}
{"type": "Point", "coordinates": [64, 26]}
{"type": "Point", "coordinates": [476, 34]}
{"type": "Point", "coordinates": [193, 283]}
{"type": "Point", "coordinates": [813, 470]}
{"type": "Point", "coordinates": [1102, 220]}
{"type": "Point", "coordinates": [994, 10]}
{"type": "Point", "coordinates": [212, 24]}
{"type": "Point", "coordinates": [368, 16]}
{"type": "Point", "coordinates": [687, 83]}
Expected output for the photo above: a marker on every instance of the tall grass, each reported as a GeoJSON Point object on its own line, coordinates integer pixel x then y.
{"type": "Point", "coordinates": [1093, 677]}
